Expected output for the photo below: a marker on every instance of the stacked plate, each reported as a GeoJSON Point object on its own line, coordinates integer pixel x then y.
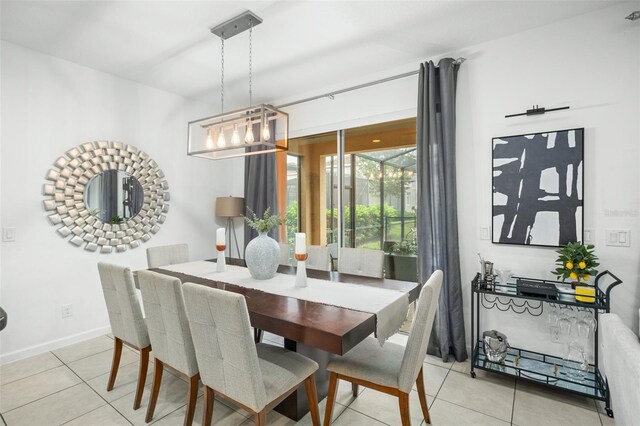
{"type": "Point", "coordinates": [566, 293]}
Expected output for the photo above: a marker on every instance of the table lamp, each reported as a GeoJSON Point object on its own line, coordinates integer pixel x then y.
{"type": "Point", "coordinates": [230, 208]}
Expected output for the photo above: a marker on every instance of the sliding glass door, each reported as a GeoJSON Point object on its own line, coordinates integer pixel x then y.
{"type": "Point", "coordinates": [352, 188]}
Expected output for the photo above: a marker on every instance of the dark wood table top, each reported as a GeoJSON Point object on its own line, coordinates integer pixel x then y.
{"type": "Point", "coordinates": [330, 328]}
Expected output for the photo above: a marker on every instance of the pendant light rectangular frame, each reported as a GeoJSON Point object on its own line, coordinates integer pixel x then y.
{"type": "Point", "coordinates": [228, 122]}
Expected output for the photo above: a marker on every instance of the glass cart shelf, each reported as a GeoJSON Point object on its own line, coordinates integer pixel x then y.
{"type": "Point", "coordinates": [545, 369]}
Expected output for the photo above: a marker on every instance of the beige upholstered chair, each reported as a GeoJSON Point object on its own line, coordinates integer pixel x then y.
{"type": "Point", "coordinates": [158, 257]}
{"type": "Point", "coordinates": [170, 336]}
{"type": "Point", "coordinates": [284, 254]}
{"type": "Point", "coordinates": [256, 377]}
{"type": "Point", "coordinates": [318, 258]}
{"type": "Point", "coordinates": [392, 368]}
{"type": "Point", "coordinates": [365, 262]}
{"type": "Point", "coordinates": [127, 322]}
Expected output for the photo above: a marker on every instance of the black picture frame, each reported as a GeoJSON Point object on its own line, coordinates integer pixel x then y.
{"type": "Point", "coordinates": [552, 160]}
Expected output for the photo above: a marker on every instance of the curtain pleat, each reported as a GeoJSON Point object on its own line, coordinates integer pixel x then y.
{"type": "Point", "coordinates": [437, 206]}
{"type": "Point", "coordinates": [260, 185]}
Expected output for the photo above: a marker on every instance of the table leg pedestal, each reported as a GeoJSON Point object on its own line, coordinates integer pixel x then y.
{"type": "Point", "coordinates": [296, 405]}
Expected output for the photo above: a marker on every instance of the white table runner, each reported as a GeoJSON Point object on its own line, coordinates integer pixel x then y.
{"type": "Point", "coordinates": [389, 306]}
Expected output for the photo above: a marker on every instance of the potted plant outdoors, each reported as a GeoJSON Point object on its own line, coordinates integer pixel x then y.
{"type": "Point", "coordinates": [405, 261]}
{"type": "Point", "coordinates": [389, 271]}
{"type": "Point", "coordinates": [578, 263]}
{"type": "Point", "coordinates": [262, 254]}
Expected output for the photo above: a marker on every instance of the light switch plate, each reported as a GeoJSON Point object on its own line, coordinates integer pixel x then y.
{"type": "Point", "coordinates": [589, 236]}
{"type": "Point", "coordinates": [8, 235]}
{"type": "Point", "coordinates": [617, 237]}
{"type": "Point", "coordinates": [485, 234]}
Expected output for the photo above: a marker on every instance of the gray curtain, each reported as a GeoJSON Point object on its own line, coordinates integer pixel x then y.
{"type": "Point", "coordinates": [110, 194]}
{"type": "Point", "coordinates": [260, 185]}
{"type": "Point", "coordinates": [437, 210]}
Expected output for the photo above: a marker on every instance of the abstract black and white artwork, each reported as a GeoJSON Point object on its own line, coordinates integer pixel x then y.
{"type": "Point", "coordinates": [538, 188]}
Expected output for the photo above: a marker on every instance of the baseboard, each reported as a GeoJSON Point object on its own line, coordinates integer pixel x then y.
{"type": "Point", "coordinates": [52, 345]}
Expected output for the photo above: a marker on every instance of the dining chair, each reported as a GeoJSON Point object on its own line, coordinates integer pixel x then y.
{"type": "Point", "coordinates": [160, 256]}
{"type": "Point", "coordinates": [333, 252]}
{"type": "Point", "coordinates": [257, 377]}
{"type": "Point", "coordinates": [170, 336]}
{"type": "Point", "coordinates": [318, 258]}
{"type": "Point", "coordinates": [284, 254]}
{"type": "Point", "coordinates": [391, 368]}
{"type": "Point", "coordinates": [364, 262]}
{"type": "Point", "coordinates": [127, 322]}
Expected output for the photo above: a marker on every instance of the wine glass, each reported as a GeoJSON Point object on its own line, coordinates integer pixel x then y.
{"type": "Point", "coordinates": [585, 324]}
{"type": "Point", "coordinates": [554, 315]}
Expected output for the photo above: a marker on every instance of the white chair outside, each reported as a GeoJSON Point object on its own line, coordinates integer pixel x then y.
{"type": "Point", "coordinates": [284, 254]}
{"type": "Point", "coordinates": [127, 322]}
{"type": "Point", "coordinates": [333, 252]}
{"type": "Point", "coordinates": [318, 258]}
{"type": "Point", "coordinates": [158, 257]}
{"type": "Point", "coordinates": [170, 336]}
{"type": "Point", "coordinates": [256, 377]}
{"type": "Point", "coordinates": [392, 368]}
{"type": "Point", "coordinates": [364, 262]}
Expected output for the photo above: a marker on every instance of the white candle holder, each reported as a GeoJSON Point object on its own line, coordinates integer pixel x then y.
{"type": "Point", "coordinates": [301, 270]}
{"type": "Point", "coordinates": [221, 262]}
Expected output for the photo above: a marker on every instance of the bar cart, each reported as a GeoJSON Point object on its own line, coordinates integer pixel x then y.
{"type": "Point", "coordinates": [526, 295]}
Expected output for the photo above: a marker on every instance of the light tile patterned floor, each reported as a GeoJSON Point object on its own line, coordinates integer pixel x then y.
{"type": "Point", "coordinates": [67, 386]}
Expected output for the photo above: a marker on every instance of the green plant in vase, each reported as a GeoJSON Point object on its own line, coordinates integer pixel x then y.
{"type": "Point", "coordinates": [576, 262]}
{"type": "Point", "coordinates": [265, 223]}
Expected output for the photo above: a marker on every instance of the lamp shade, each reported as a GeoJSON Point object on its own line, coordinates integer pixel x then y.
{"type": "Point", "coordinates": [229, 206]}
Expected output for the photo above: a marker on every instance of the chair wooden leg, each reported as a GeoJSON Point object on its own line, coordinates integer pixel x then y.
{"type": "Point", "coordinates": [312, 397]}
{"type": "Point", "coordinates": [261, 418]}
{"type": "Point", "coordinates": [423, 397]}
{"type": "Point", "coordinates": [158, 367]}
{"type": "Point", "coordinates": [403, 399]}
{"type": "Point", "coordinates": [192, 396]}
{"type": "Point", "coordinates": [354, 389]}
{"type": "Point", "coordinates": [207, 409]}
{"type": "Point", "coordinates": [115, 364]}
{"type": "Point", "coordinates": [331, 398]}
{"type": "Point", "coordinates": [257, 335]}
{"type": "Point", "coordinates": [142, 375]}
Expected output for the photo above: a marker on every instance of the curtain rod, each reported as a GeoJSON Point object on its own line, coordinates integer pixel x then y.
{"type": "Point", "coordinates": [330, 95]}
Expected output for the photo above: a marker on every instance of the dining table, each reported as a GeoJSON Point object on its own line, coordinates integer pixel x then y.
{"type": "Point", "coordinates": [316, 330]}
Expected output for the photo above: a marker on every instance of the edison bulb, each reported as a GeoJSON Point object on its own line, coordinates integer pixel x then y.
{"type": "Point", "coordinates": [235, 137]}
{"type": "Point", "coordinates": [248, 136]}
{"type": "Point", "coordinates": [222, 142]}
{"type": "Point", "coordinates": [266, 134]}
{"type": "Point", "coordinates": [209, 139]}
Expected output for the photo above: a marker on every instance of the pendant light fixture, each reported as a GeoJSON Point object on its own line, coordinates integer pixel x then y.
{"type": "Point", "coordinates": [257, 129]}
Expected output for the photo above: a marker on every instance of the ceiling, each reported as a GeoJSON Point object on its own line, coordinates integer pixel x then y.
{"type": "Point", "coordinates": [301, 46]}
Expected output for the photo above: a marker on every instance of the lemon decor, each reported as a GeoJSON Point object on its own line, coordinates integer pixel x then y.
{"type": "Point", "coordinates": [576, 262]}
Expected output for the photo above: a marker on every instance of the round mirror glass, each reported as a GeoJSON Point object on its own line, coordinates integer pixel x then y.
{"type": "Point", "coordinates": [113, 196]}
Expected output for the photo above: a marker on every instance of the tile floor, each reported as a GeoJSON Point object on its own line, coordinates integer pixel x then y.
{"type": "Point", "coordinates": [67, 386]}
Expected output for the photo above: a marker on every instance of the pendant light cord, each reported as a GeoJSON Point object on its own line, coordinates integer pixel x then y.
{"type": "Point", "coordinates": [222, 76]}
{"type": "Point", "coordinates": [250, 61]}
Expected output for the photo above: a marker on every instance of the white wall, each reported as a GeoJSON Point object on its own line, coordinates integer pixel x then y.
{"type": "Point", "coordinates": [50, 105]}
{"type": "Point", "coordinates": [590, 62]}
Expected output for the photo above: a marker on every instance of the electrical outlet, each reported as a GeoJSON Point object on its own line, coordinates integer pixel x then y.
{"type": "Point", "coordinates": [555, 334]}
{"type": "Point", "coordinates": [67, 311]}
